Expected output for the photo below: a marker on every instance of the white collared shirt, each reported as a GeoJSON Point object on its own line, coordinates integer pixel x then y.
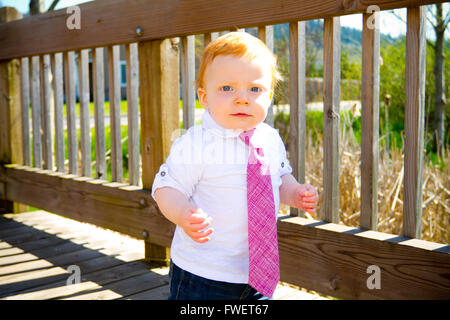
{"type": "Point", "coordinates": [208, 164]}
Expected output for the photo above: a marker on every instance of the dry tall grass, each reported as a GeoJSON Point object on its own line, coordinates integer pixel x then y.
{"type": "Point", "coordinates": [436, 194]}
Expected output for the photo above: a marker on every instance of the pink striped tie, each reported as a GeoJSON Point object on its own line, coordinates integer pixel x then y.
{"type": "Point", "coordinates": [264, 271]}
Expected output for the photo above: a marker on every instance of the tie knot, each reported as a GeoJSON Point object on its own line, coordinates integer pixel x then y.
{"type": "Point", "coordinates": [246, 136]}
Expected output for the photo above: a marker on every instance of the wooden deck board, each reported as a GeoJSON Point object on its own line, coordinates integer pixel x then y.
{"type": "Point", "coordinates": [10, 251]}
{"type": "Point", "coordinates": [159, 293]}
{"type": "Point", "coordinates": [93, 281]}
{"type": "Point", "coordinates": [124, 287]}
{"type": "Point", "coordinates": [26, 282]}
{"type": "Point", "coordinates": [36, 249]}
{"type": "Point", "coordinates": [4, 245]}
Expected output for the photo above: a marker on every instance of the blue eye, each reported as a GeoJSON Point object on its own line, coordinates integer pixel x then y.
{"type": "Point", "coordinates": [255, 89]}
{"type": "Point", "coordinates": [226, 88]}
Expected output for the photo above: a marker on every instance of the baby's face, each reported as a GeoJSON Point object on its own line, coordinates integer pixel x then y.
{"type": "Point", "coordinates": [237, 92]}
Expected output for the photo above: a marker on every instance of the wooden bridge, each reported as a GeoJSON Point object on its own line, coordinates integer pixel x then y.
{"type": "Point", "coordinates": [42, 254]}
{"type": "Point", "coordinates": [37, 69]}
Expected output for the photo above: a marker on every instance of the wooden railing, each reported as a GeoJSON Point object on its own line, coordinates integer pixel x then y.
{"type": "Point", "coordinates": [323, 255]}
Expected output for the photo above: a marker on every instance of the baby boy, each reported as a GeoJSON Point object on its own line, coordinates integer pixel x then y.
{"type": "Point", "coordinates": [206, 187]}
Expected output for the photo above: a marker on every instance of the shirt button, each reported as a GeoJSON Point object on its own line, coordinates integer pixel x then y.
{"type": "Point", "coordinates": [163, 173]}
{"type": "Point", "coordinates": [282, 164]}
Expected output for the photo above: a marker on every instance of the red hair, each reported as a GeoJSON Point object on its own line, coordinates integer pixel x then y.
{"type": "Point", "coordinates": [239, 44]}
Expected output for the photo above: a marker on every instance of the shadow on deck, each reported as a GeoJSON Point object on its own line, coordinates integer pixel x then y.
{"type": "Point", "coordinates": [37, 248]}
{"type": "Point", "coordinates": [40, 254]}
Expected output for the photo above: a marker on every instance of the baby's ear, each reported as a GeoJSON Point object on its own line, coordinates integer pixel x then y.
{"type": "Point", "coordinates": [202, 97]}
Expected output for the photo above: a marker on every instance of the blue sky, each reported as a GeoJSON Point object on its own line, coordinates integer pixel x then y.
{"type": "Point", "coordinates": [388, 24]}
{"type": "Point", "coordinates": [23, 5]}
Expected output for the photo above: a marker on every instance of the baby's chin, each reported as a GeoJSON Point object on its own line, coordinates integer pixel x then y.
{"type": "Point", "coordinates": [240, 125]}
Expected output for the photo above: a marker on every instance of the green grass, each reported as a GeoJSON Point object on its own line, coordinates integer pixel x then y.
{"type": "Point", "coordinates": [123, 108]}
{"type": "Point", "coordinates": [124, 134]}
{"type": "Point", "coordinates": [197, 104]}
{"type": "Point", "coordinates": [314, 122]}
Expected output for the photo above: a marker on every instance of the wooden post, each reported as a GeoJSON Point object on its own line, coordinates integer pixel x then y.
{"type": "Point", "coordinates": [11, 137]}
{"type": "Point", "coordinates": [265, 34]}
{"type": "Point", "coordinates": [98, 78]}
{"type": "Point", "coordinates": [85, 132]}
{"type": "Point", "coordinates": [133, 112]}
{"type": "Point", "coordinates": [58, 111]}
{"type": "Point", "coordinates": [69, 73]}
{"type": "Point", "coordinates": [331, 118]}
{"type": "Point", "coordinates": [414, 121]}
{"type": "Point", "coordinates": [187, 45]}
{"type": "Point", "coordinates": [159, 101]}
{"type": "Point", "coordinates": [297, 101]}
{"type": "Point", "coordinates": [210, 37]}
{"type": "Point", "coordinates": [25, 99]}
{"type": "Point", "coordinates": [369, 127]}
{"type": "Point", "coordinates": [46, 109]}
{"type": "Point", "coordinates": [36, 111]}
{"type": "Point", "coordinates": [114, 107]}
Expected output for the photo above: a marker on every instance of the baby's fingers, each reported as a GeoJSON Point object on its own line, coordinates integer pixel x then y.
{"type": "Point", "coordinates": [199, 226]}
{"type": "Point", "coordinates": [307, 208]}
{"type": "Point", "coordinates": [203, 240]}
{"type": "Point", "coordinates": [312, 199]}
{"type": "Point", "coordinates": [201, 236]}
{"type": "Point", "coordinates": [196, 218]}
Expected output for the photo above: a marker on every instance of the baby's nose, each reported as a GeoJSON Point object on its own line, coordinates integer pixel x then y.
{"type": "Point", "coordinates": [241, 98]}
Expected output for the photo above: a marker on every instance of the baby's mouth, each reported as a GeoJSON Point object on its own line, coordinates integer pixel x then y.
{"type": "Point", "coordinates": [240, 114]}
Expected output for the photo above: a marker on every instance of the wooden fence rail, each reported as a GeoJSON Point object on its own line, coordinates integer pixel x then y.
{"type": "Point", "coordinates": [329, 258]}
{"type": "Point", "coordinates": [370, 118]}
{"type": "Point", "coordinates": [320, 255]}
{"type": "Point", "coordinates": [109, 22]}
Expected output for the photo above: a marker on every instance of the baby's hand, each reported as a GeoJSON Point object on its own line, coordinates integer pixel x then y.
{"type": "Point", "coordinates": [306, 197]}
{"type": "Point", "coordinates": [194, 222]}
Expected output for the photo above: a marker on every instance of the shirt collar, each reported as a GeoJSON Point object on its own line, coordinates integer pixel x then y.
{"type": "Point", "coordinates": [214, 128]}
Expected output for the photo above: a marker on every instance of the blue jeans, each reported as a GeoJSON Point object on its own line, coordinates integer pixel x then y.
{"type": "Point", "coordinates": [187, 286]}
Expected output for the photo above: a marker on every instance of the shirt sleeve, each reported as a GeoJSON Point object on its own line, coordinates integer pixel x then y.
{"type": "Point", "coordinates": [283, 162]}
{"type": "Point", "coordinates": [180, 171]}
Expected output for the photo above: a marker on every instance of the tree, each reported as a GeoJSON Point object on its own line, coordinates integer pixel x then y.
{"type": "Point", "coordinates": [53, 5]}
{"type": "Point", "coordinates": [439, 23]}
{"type": "Point", "coordinates": [350, 66]}
{"type": "Point", "coordinates": [392, 84]}
{"type": "Point", "coordinates": [36, 7]}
